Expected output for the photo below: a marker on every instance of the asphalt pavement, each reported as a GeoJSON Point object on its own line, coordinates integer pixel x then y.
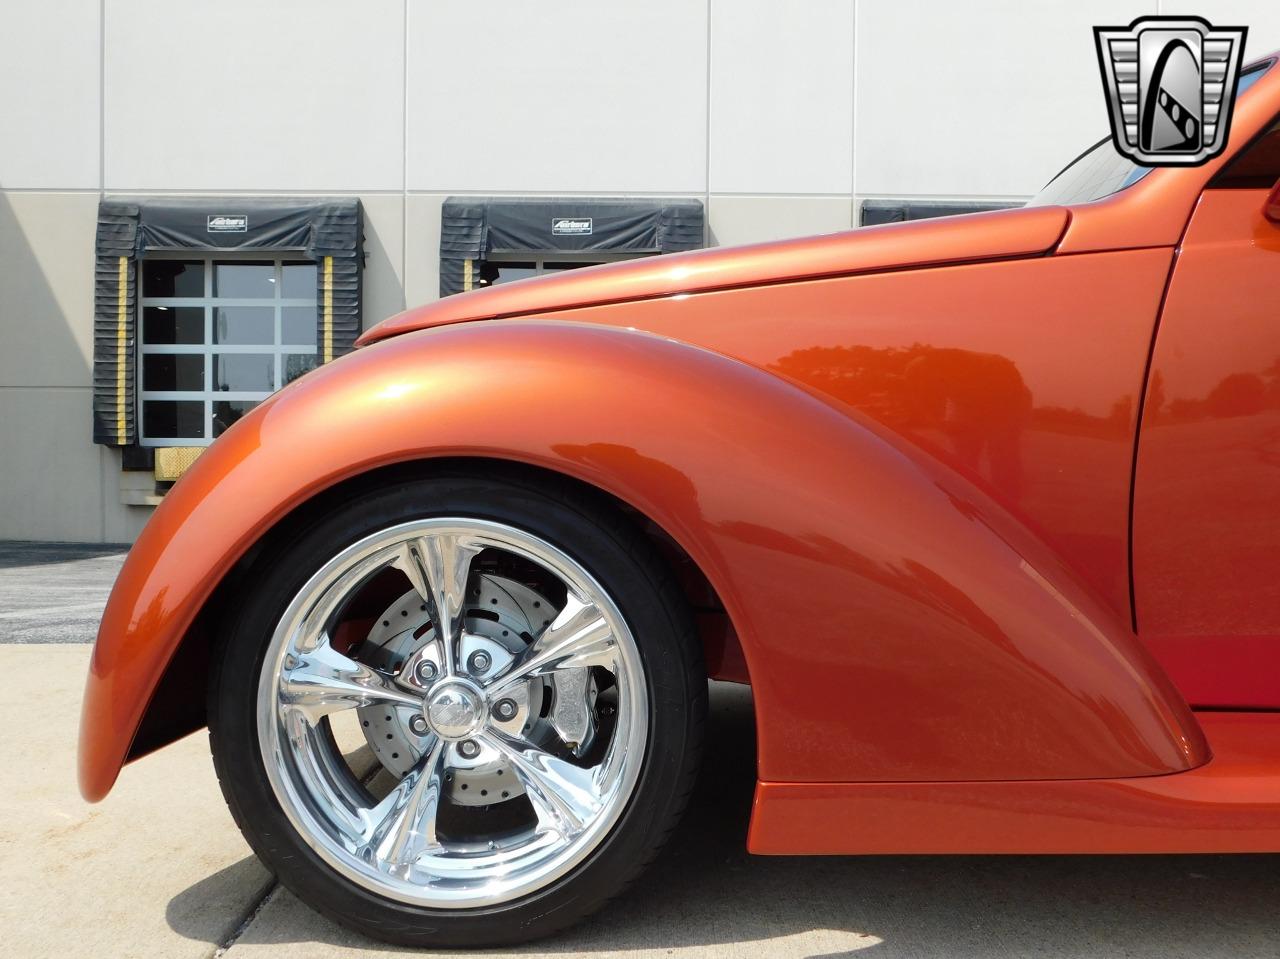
{"type": "Point", "coordinates": [158, 868]}
{"type": "Point", "coordinates": [54, 592]}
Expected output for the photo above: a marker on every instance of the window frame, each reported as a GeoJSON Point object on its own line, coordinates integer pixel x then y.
{"type": "Point", "coordinates": [208, 349]}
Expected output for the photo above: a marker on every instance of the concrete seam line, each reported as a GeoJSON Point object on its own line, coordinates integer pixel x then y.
{"type": "Point", "coordinates": [246, 919]}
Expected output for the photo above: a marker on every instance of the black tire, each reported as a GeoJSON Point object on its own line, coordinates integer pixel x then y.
{"type": "Point", "coordinates": [629, 569]}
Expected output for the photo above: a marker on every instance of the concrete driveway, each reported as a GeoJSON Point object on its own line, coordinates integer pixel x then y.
{"type": "Point", "coordinates": [158, 869]}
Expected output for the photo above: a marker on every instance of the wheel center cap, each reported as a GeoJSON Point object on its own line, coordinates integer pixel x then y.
{"type": "Point", "coordinates": [454, 711]}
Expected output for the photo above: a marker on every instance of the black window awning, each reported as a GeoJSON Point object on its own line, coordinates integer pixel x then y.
{"type": "Point", "coordinates": [899, 211]}
{"type": "Point", "coordinates": [474, 228]}
{"type": "Point", "coordinates": [329, 231]}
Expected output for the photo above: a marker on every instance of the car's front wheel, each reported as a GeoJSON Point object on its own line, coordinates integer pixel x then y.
{"type": "Point", "coordinates": [462, 711]}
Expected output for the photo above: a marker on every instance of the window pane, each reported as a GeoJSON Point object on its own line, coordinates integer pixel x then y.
{"type": "Point", "coordinates": [244, 372]}
{"type": "Point", "coordinates": [164, 372]}
{"type": "Point", "coordinates": [173, 324]}
{"type": "Point", "coordinates": [244, 279]}
{"type": "Point", "coordinates": [173, 419]}
{"type": "Point", "coordinates": [295, 364]}
{"type": "Point", "coordinates": [226, 412]}
{"type": "Point", "coordinates": [298, 325]}
{"type": "Point", "coordinates": [244, 325]}
{"type": "Point", "coordinates": [554, 267]}
{"type": "Point", "coordinates": [492, 273]}
{"type": "Point", "coordinates": [172, 278]}
{"type": "Point", "coordinates": [299, 281]}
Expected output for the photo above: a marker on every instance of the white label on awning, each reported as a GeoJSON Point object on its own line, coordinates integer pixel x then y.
{"type": "Point", "coordinates": [231, 223]}
{"type": "Point", "coordinates": [570, 226]}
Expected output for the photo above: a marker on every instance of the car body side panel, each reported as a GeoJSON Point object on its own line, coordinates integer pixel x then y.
{"type": "Point", "coordinates": [1024, 376]}
{"type": "Point", "coordinates": [1207, 495]}
{"type": "Point", "coordinates": [1231, 804]}
{"type": "Point", "coordinates": [897, 623]}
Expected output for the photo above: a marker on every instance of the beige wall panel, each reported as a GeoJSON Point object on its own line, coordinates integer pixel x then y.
{"type": "Point", "coordinates": [422, 249]}
{"type": "Point", "coordinates": [384, 257]}
{"type": "Point", "coordinates": [50, 476]}
{"type": "Point", "coordinates": [754, 219]}
{"type": "Point", "coordinates": [46, 288]}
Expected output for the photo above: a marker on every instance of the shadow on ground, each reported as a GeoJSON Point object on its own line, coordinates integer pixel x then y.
{"type": "Point", "coordinates": [706, 895]}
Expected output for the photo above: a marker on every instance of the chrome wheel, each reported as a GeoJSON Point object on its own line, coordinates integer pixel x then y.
{"type": "Point", "coordinates": [499, 694]}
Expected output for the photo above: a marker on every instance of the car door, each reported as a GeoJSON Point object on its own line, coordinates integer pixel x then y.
{"type": "Point", "coordinates": [1206, 518]}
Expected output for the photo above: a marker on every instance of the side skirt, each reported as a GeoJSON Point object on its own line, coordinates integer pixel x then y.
{"type": "Point", "coordinates": [1230, 804]}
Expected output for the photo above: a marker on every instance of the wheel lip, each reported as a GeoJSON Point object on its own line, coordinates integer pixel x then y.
{"type": "Point", "coordinates": [634, 752]}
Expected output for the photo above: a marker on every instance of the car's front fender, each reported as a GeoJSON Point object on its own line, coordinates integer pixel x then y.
{"type": "Point", "coordinates": [897, 624]}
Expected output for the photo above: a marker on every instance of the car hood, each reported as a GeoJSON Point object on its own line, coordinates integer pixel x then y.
{"type": "Point", "coordinates": [1029, 231]}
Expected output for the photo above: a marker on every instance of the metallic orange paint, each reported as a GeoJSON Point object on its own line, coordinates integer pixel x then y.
{"type": "Point", "coordinates": [1022, 376]}
{"type": "Point", "coordinates": [902, 599]}
{"type": "Point", "coordinates": [1207, 494]}
{"type": "Point", "coordinates": [903, 458]}
{"type": "Point", "coordinates": [1232, 804]}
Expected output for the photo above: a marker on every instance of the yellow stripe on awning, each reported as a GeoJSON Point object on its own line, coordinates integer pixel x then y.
{"type": "Point", "coordinates": [122, 305]}
{"type": "Point", "coordinates": [328, 309]}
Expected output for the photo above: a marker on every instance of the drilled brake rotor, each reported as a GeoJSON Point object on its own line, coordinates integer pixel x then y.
{"type": "Point", "coordinates": [501, 618]}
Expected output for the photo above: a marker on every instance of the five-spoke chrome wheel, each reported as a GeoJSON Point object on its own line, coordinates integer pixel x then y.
{"type": "Point", "coordinates": [452, 713]}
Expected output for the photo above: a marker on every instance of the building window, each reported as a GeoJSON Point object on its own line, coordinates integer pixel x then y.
{"type": "Point", "coordinates": [499, 269]}
{"type": "Point", "coordinates": [218, 336]}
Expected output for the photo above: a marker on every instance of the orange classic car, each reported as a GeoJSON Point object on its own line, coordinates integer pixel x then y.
{"type": "Point", "coordinates": [986, 510]}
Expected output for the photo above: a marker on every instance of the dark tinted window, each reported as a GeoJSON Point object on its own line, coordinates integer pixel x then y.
{"type": "Point", "coordinates": [164, 419]}
{"type": "Point", "coordinates": [554, 266]}
{"type": "Point", "coordinates": [494, 272]}
{"type": "Point", "coordinates": [172, 278]}
{"type": "Point", "coordinates": [244, 372]}
{"type": "Point", "coordinates": [173, 324]}
{"type": "Point", "coordinates": [226, 412]}
{"type": "Point", "coordinates": [1258, 164]}
{"type": "Point", "coordinates": [170, 372]}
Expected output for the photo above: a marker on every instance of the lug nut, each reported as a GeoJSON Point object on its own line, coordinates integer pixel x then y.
{"type": "Point", "coordinates": [469, 749]}
{"type": "Point", "coordinates": [504, 709]}
{"type": "Point", "coordinates": [425, 670]}
{"type": "Point", "coordinates": [419, 725]}
{"type": "Point", "coordinates": [479, 661]}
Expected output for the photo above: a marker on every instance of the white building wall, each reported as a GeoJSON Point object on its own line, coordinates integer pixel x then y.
{"type": "Point", "coordinates": [574, 96]}
{"type": "Point", "coordinates": [781, 117]}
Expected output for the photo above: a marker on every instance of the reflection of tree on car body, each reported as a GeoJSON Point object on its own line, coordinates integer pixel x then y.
{"type": "Point", "coordinates": [977, 403]}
